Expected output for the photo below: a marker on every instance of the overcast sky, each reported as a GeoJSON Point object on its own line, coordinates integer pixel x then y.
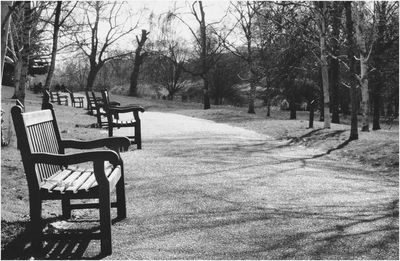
{"type": "Point", "coordinates": [214, 11]}
{"type": "Point", "coordinates": [141, 10]}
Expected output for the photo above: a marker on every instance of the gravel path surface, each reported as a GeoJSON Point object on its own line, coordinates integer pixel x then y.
{"type": "Point", "coordinates": [204, 190]}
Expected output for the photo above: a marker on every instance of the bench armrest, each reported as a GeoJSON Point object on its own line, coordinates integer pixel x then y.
{"type": "Point", "coordinates": [114, 143]}
{"type": "Point", "coordinates": [97, 157]}
{"type": "Point", "coordinates": [76, 158]}
{"type": "Point", "coordinates": [124, 109]}
{"type": "Point", "coordinates": [114, 103]}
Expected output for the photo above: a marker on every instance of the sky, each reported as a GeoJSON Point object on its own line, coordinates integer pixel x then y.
{"type": "Point", "coordinates": [141, 10]}
{"type": "Point", "coordinates": [214, 11]}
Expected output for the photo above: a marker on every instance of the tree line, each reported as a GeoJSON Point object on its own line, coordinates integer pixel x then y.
{"type": "Point", "coordinates": [341, 55]}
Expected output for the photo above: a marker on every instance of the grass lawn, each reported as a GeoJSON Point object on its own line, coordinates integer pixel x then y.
{"type": "Point", "coordinates": [375, 149]}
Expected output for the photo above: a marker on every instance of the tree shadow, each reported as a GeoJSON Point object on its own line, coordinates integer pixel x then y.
{"type": "Point", "coordinates": [335, 239]}
{"type": "Point", "coordinates": [340, 146]}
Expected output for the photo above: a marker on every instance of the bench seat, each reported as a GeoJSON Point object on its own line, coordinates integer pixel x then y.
{"type": "Point", "coordinates": [73, 180]}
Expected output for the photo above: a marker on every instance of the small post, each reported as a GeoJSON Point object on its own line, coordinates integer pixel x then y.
{"type": "Point", "coordinates": [311, 120]}
{"type": "Point", "coordinates": [46, 100]}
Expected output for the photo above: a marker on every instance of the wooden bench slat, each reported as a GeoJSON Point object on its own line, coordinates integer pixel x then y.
{"type": "Point", "coordinates": [67, 181]}
{"type": "Point", "coordinates": [91, 182]}
{"type": "Point", "coordinates": [114, 177]}
{"type": "Point", "coordinates": [80, 181]}
{"type": "Point", "coordinates": [115, 121]}
{"type": "Point", "coordinates": [53, 181]}
{"type": "Point", "coordinates": [35, 117]}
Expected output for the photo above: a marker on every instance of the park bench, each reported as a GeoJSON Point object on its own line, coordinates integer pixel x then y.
{"type": "Point", "coordinates": [91, 105]}
{"type": "Point", "coordinates": [76, 101]}
{"type": "Point", "coordinates": [100, 112]}
{"type": "Point", "coordinates": [61, 99]}
{"type": "Point", "coordinates": [113, 119]}
{"type": "Point", "coordinates": [53, 175]}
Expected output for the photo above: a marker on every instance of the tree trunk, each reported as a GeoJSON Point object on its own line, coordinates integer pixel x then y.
{"type": "Point", "coordinates": [5, 25]}
{"type": "Point", "coordinates": [325, 84]}
{"type": "Point", "coordinates": [94, 69]}
{"type": "Point", "coordinates": [311, 116]}
{"type": "Point", "coordinates": [20, 93]}
{"type": "Point", "coordinates": [133, 91]}
{"type": "Point", "coordinates": [321, 100]}
{"type": "Point", "coordinates": [335, 66]}
{"type": "Point", "coordinates": [344, 100]}
{"type": "Point", "coordinates": [292, 108]}
{"type": "Point", "coordinates": [364, 56]}
{"type": "Point", "coordinates": [203, 39]}
{"type": "Point", "coordinates": [268, 103]}
{"type": "Point", "coordinates": [55, 44]}
{"type": "Point", "coordinates": [335, 89]}
{"type": "Point", "coordinates": [379, 84]}
{"type": "Point", "coordinates": [253, 76]}
{"type": "Point", "coordinates": [252, 93]}
{"type": "Point", "coordinates": [353, 87]}
{"type": "Point", "coordinates": [324, 66]}
{"type": "Point", "coordinates": [17, 78]}
{"type": "Point", "coordinates": [206, 95]}
{"type": "Point", "coordinates": [377, 88]}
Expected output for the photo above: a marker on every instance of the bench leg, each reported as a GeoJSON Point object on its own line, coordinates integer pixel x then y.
{"type": "Point", "coordinates": [104, 208]}
{"type": "Point", "coordinates": [35, 209]}
{"type": "Point", "coordinates": [66, 208]}
{"type": "Point", "coordinates": [138, 135]}
{"type": "Point", "coordinates": [99, 119]}
{"type": "Point", "coordinates": [121, 201]}
{"type": "Point", "coordinates": [110, 130]}
{"type": "Point", "coordinates": [105, 221]}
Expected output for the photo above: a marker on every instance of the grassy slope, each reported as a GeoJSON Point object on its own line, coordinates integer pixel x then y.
{"type": "Point", "coordinates": [378, 148]}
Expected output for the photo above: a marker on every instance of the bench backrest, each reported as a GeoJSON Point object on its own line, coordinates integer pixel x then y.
{"type": "Point", "coordinates": [95, 101]}
{"type": "Point", "coordinates": [89, 98]}
{"type": "Point", "coordinates": [37, 132]}
{"type": "Point", "coordinates": [45, 100]}
{"type": "Point", "coordinates": [106, 98]}
{"type": "Point", "coordinates": [53, 96]}
{"type": "Point", "coordinates": [71, 94]}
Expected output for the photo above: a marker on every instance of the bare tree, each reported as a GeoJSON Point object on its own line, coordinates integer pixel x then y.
{"type": "Point", "coordinates": [384, 40]}
{"type": "Point", "coordinates": [168, 70]}
{"type": "Point", "coordinates": [139, 57]}
{"type": "Point", "coordinates": [5, 24]}
{"type": "Point", "coordinates": [351, 69]}
{"type": "Point", "coordinates": [24, 58]}
{"type": "Point", "coordinates": [24, 42]}
{"type": "Point", "coordinates": [364, 68]}
{"type": "Point", "coordinates": [91, 42]}
{"type": "Point", "coordinates": [322, 11]}
{"type": "Point", "coordinates": [58, 23]}
{"type": "Point", "coordinates": [203, 43]}
{"type": "Point", "coordinates": [245, 15]}
{"type": "Point", "coordinates": [207, 52]}
{"type": "Point", "coordinates": [336, 14]}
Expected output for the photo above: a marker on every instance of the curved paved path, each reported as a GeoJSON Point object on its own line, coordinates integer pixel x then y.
{"type": "Point", "coordinates": [203, 190]}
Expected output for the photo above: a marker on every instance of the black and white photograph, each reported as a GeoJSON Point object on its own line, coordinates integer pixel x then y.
{"type": "Point", "coordinates": [199, 130]}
